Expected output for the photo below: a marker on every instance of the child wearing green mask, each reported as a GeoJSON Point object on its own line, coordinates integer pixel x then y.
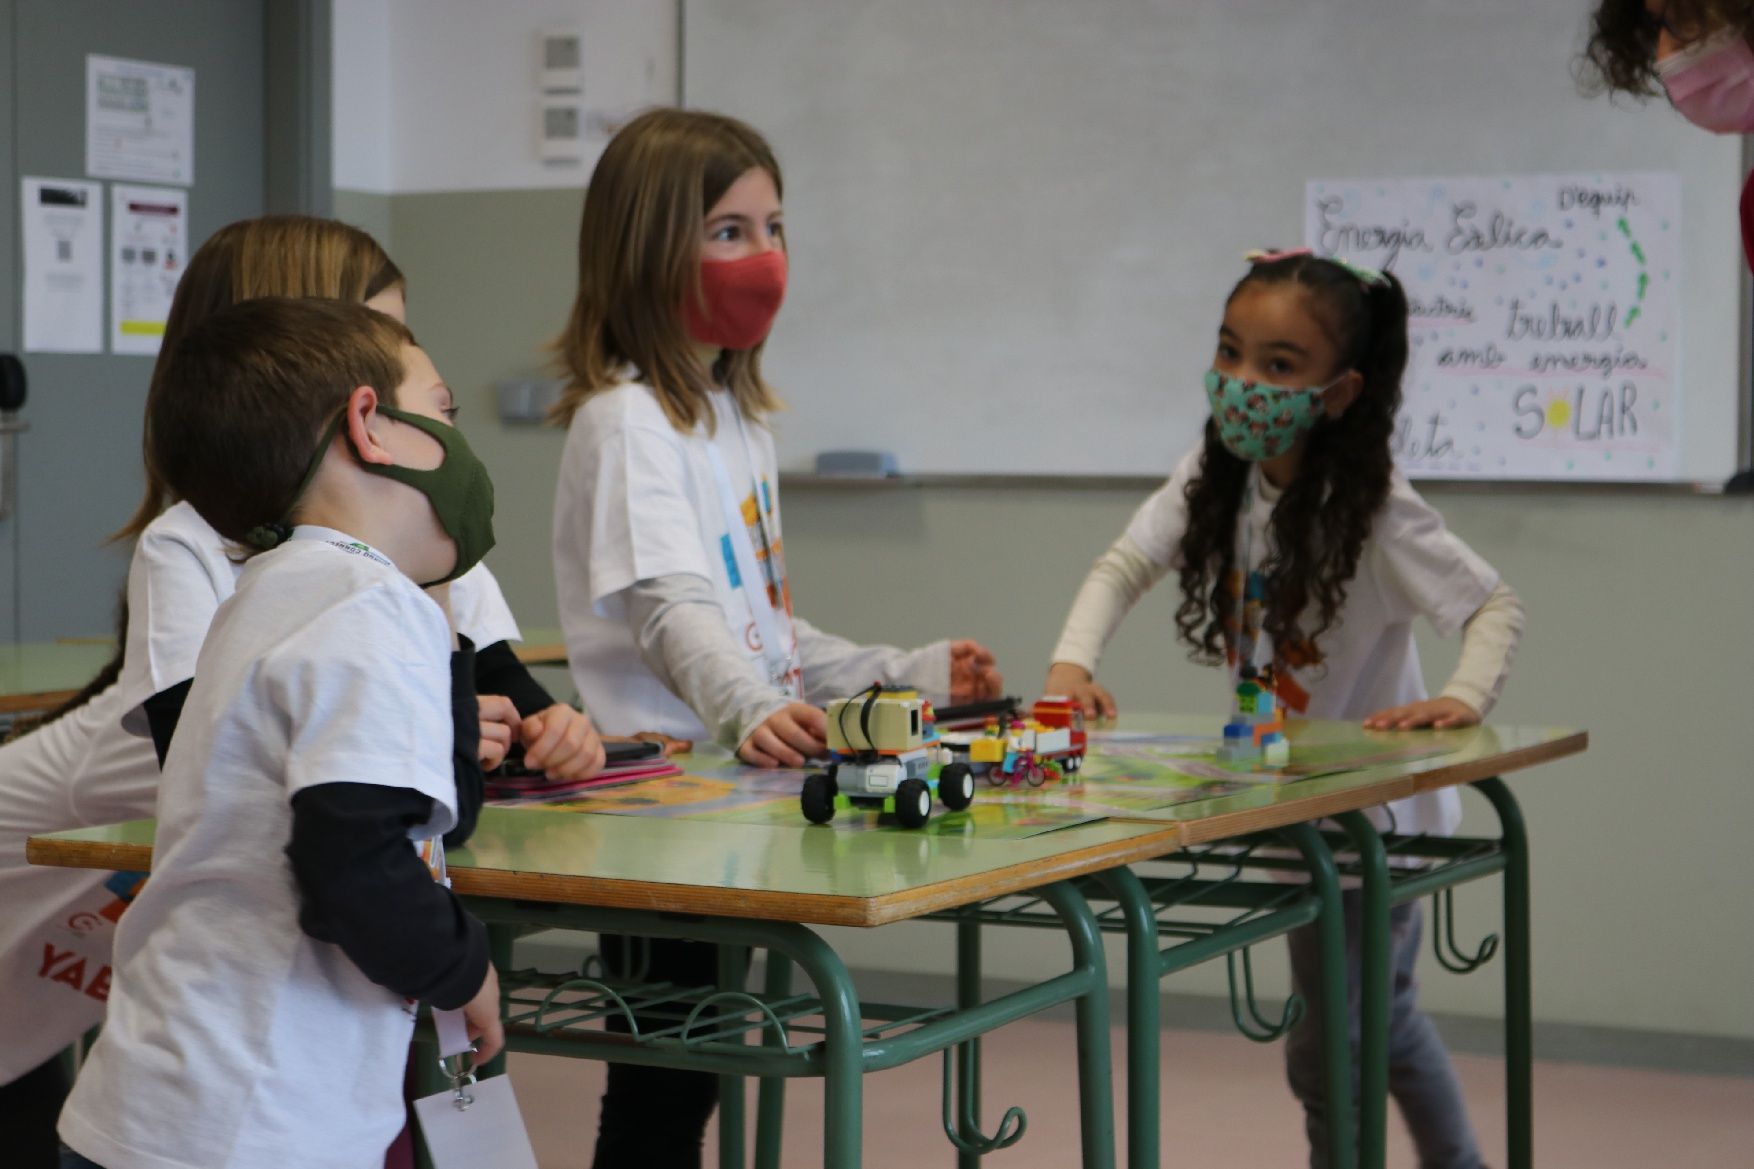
{"type": "Point", "coordinates": [1293, 500]}
{"type": "Point", "coordinates": [266, 976]}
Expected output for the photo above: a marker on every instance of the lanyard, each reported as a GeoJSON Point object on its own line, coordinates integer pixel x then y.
{"type": "Point", "coordinates": [778, 649]}
{"type": "Point", "coordinates": [1246, 639]}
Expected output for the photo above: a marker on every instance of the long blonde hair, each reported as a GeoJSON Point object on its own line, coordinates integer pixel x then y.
{"type": "Point", "coordinates": [274, 255]}
{"type": "Point", "coordinates": [639, 262]}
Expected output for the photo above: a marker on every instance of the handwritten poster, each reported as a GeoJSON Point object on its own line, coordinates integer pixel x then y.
{"type": "Point", "coordinates": [1544, 318]}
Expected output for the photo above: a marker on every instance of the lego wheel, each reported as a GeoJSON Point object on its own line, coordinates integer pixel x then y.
{"type": "Point", "coordinates": [913, 803]}
{"type": "Point", "coordinates": [956, 786]}
{"type": "Point", "coordinates": [1035, 776]}
{"type": "Point", "coordinates": [995, 775]}
{"type": "Point", "coordinates": [817, 798]}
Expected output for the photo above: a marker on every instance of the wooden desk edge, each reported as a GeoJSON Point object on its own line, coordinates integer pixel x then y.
{"type": "Point", "coordinates": [541, 654]}
{"type": "Point", "coordinates": [43, 700]}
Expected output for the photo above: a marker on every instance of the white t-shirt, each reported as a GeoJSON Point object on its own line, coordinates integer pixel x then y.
{"type": "Point", "coordinates": [635, 500]}
{"type": "Point", "coordinates": [1411, 566]}
{"type": "Point", "coordinates": [233, 1038]}
{"type": "Point", "coordinates": [182, 569]}
{"type": "Point", "coordinates": [56, 925]}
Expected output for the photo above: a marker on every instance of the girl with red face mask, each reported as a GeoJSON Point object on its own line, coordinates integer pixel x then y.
{"type": "Point", "coordinates": [668, 555]}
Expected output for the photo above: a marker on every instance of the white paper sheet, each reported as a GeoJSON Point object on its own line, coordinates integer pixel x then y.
{"type": "Point", "coordinates": [62, 226]}
{"type": "Point", "coordinates": [149, 245]}
{"type": "Point", "coordinates": [139, 120]}
{"type": "Point", "coordinates": [1545, 316]}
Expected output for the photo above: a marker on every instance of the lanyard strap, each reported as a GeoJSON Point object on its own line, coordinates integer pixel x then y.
{"type": "Point", "coordinates": [452, 1028]}
{"type": "Point", "coordinates": [1246, 643]}
{"type": "Point", "coordinates": [779, 651]}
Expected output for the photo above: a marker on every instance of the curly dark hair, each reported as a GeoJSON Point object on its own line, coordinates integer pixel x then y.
{"type": "Point", "coordinates": [1622, 50]}
{"type": "Point", "coordinates": [1320, 524]}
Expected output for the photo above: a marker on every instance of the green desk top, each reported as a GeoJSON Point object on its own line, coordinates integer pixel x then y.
{"type": "Point", "coordinates": [816, 876]}
{"type": "Point", "coordinates": [1469, 754]}
{"type": "Point", "coordinates": [36, 676]}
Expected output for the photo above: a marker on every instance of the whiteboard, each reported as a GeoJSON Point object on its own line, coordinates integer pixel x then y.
{"type": "Point", "coordinates": [1013, 222]}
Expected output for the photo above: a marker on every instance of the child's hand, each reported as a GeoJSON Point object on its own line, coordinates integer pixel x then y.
{"type": "Point", "coordinates": [562, 744]}
{"type": "Point", "coordinates": [499, 725]}
{"type": "Point", "coordinates": [973, 672]}
{"type": "Point", "coordinates": [789, 736]}
{"type": "Point", "coordinates": [1075, 682]}
{"type": "Point", "coordinates": [481, 1013]}
{"type": "Point", "coordinates": [1437, 713]}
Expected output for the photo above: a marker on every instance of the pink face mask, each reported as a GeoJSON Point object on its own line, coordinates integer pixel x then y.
{"type": "Point", "coordinates": [1711, 84]}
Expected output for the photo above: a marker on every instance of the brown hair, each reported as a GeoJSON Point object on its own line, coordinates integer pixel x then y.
{"type": "Point", "coordinates": [275, 255]}
{"type": "Point", "coordinates": [639, 262]}
{"type": "Point", "coordinates": [1622, 50]}
{"type": "Point", "coordinates": [244, 394]}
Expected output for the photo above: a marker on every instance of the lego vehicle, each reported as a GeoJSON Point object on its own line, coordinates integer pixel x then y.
{"type": "Point", "coordinates": [1255, 734]}
{"type": "Point", "coordinates": [1049, 745]}
{"type": "Point", "coordinates": [885, 753]}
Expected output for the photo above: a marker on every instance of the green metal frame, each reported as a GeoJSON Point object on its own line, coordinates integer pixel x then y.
{"type": "Point", "coordinates": [828, 1034]}
{"type": "Point", "coordinates": [1446, 862]}
{"type": "Point", "coordinates": [1155, 903]}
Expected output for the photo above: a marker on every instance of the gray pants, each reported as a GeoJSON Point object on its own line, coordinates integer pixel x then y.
{"type": "Point", "coordinates": [1420, 1076]}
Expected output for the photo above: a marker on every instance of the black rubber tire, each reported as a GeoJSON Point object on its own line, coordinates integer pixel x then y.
{"type": "Point", "coordinates": [956, 786]}
{"type": "Point", "coordinates": [913, 803]}
{"type": "Point", "coordinates": [817, 798]}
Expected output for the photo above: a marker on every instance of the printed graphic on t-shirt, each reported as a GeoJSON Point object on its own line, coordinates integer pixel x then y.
{"type": "Point", "coordinates": [770, 556]}
{"type": "Point", "coordinates": [67, 958]}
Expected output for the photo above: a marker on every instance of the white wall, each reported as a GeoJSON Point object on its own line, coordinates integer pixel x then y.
{"type": "Point", "coordinates": [440, 95]}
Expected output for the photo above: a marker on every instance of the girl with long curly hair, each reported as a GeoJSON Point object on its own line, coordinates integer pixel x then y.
{"type": "Point", "coordinates": [1298, 545]}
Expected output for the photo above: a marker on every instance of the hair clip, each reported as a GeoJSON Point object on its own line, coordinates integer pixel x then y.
{"type": "Point", "coordinates": [266, 536]}
{"type": "Point", "coordinates": [1371, 276]}
{"type": "Point", "coordinates": [1263, 257]}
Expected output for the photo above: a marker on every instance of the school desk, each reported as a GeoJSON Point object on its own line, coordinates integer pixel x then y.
{"type": "Point", "coordinates": [761, 886]}
{"type": "Point", "coordinates": [753, 886]}
{"type": "Point", "coordinates": [541, 647]}
{"type": "Point", "coordinates": [37, 676]}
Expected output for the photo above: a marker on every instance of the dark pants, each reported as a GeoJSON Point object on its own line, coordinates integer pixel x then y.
{"type": "Point", "coordinates": [29, 1108]}
{"type": "Point", "coordinates": [72, 1160]}
{"type": "Point", "coordinates": [655, 1118]}
{"type": "Point", "coordinates": [1420, 1076]}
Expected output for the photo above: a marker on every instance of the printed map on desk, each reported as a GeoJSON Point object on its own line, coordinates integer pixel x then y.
{"type": "Point", "coordinates": [1131, 773]}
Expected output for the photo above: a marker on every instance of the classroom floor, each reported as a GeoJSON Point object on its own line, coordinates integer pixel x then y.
{"type": "Point", "coordinates": [1224, 1103]}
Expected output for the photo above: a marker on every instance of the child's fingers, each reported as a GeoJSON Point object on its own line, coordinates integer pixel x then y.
{"type": "Point", "coordinates": [773, 749]}
{"type": "Point", "coordinates": [793, 736]}
{"type": "Point", "coordinates": [489, 1041]}
{"type": "Point", "coordinates": [497, 708]}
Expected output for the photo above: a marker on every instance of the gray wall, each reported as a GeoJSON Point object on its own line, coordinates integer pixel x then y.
{"type": "Point", "coordinates": [1639, 630]}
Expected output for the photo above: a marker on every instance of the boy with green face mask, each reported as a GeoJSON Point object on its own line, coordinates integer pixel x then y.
{"type": "Point", "coordinates": [266, 976]}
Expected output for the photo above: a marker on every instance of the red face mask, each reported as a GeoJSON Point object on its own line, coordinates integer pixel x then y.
{"type": "Point", "coordinates": [742, 298]}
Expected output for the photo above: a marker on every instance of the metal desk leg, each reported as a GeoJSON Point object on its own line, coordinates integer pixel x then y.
{"type": "Point", "coordinates": [1518, 1008]}
{"type": "Point", "coordinates": [1095, 1079]}
{"type": "Point", "coordinates": [1336, 1027]}
{"type": "Point", "coordinates": [732, 975]}
{"type": "Point", "coordinates": [968, 1055]}
{"type": "Point", "coordinates": [1373, 1006]}
{"type": "Point", "coordinates": [1144, 1018]}
{"type": "Point", "coordinates": [771, 1098]}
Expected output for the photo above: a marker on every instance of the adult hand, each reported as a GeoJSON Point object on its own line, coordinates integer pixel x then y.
{"type": "Point", "coordinates": [499, 726]}
{"type": "Point", "coordinates": [1075, 682]}
{"type": "Point", "coordinates": [787, 737]}
{"type": "Point", "coordinates": [1437, 713]}
{"type": "Point", "coordinates": [562, 744]}
{"type": "Point", "coordinates": [974, 675]}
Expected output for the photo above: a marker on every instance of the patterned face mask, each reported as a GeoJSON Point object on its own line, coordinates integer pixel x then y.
{"type": "Point", "coordinates": [1257, 421]}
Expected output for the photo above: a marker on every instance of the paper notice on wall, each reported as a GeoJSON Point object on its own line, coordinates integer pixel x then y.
{"type": "Point", "coordinates": [1545, 318]}
{"type": "Point", "coordinates": [139, 121]}
{"type": "Point", "coordinates": [149, 245]}
{"type": "Point", "coordinates": [61, 222]}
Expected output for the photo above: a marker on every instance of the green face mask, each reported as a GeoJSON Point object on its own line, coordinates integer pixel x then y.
{"type": "Point", "coordinates": [459, 490]}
